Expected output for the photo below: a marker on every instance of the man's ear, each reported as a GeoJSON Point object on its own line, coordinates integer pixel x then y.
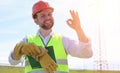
{"type": "Point", "coordinates": [36, 20]}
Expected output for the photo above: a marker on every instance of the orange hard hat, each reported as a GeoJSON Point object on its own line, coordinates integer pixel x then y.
{"type": "Point", "coordinates": [39, 6]}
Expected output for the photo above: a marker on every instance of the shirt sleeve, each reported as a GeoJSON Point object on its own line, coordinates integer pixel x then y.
{"type": "Point", "coordinates": [75, 48]}
{"type": "Point", "coordinates": [15, 62]}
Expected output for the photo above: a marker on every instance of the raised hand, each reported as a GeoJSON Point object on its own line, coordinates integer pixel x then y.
{"type": "Point", "coordinates": [74, 22]}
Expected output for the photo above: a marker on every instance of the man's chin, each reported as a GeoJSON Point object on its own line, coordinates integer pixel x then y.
{"type": "Point", "coordinates": [47, 28]}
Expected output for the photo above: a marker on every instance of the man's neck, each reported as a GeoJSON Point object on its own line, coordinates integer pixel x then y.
{"type": "Point", "coordinates": [45, 33]}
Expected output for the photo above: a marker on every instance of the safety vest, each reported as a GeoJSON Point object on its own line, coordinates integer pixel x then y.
{"type": "Point", "coordinates": [58, 54]}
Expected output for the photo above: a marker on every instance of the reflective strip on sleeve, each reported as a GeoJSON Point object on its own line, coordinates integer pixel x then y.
{"type": "Point", "coordinates": [59, 61]}
{"type": "Point", "coordinates": [27, 63]}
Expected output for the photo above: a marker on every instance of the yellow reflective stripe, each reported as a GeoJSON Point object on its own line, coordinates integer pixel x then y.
{"type": "Point", "coordinates": [63, 68]}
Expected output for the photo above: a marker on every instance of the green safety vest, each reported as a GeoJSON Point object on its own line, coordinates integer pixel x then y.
{"type": "Point", "coordinates": [55, 50]}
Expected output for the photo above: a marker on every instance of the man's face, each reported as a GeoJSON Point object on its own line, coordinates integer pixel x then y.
{"type": "Point", "coordinates": [44, 19]}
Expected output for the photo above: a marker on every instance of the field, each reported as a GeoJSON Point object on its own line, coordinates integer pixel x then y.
{"type": "Point", "coordinates": [12, 69]}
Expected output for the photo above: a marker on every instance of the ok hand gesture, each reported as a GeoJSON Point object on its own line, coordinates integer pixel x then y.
{"type": "Point", "coordinates": [74, 22]}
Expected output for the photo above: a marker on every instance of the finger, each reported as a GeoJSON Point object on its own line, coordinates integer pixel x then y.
{"type": "Point", "coordinates": [77, 15]}
{"type": "Point", "coordinates": [54, 66]}
{"type": "Point", "coordinates": [28, 53]}
{"type": "Point", "coordinates": [43, 50]}
{"type": "Point", "coordinates": [47, 70]}
{"type": "Point", "coordinates": [72, 12]}
{"type": "Point", "coordinates": [37, 57]}
{"type": "Point", "coordinates": [37, 50]}
{"type": "Point", "coordinates": [17, 48]}
{"type": "Point", "coordinates": [32, 48]}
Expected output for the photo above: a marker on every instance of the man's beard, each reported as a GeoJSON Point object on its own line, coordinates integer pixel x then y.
{"type": "Point", "coordinates": [48, 24]}
{"type": "Point", "coordinates": [46, 27]}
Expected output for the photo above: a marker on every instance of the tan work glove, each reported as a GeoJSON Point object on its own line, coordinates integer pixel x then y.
{"type": "Point", "coordinates": [47, 63]}
{"type": "Point", "coordinates": [17, 52]}
{"type": "Point", "coordinates": [30, 49]}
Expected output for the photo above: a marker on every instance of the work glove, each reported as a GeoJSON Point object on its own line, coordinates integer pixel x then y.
{"type": "Point", "coordinates": [47, 63]}
{"type": "Point", "coordinates": [37, 52]}
{"type": "Point", "coordinates": [30, 49]}
{"type": "Point", "coordinates": [17, 52]}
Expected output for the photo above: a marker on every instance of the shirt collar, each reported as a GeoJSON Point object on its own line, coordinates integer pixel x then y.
{"type": "Point", "coordinates": [51, 34]}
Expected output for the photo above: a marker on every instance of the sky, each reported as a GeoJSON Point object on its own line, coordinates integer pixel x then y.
{"type": "Point", "coordinates": [99, 20]}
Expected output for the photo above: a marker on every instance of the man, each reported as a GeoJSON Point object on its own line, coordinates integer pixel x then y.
{"type": "Point", "coordinates": [46, 51]}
